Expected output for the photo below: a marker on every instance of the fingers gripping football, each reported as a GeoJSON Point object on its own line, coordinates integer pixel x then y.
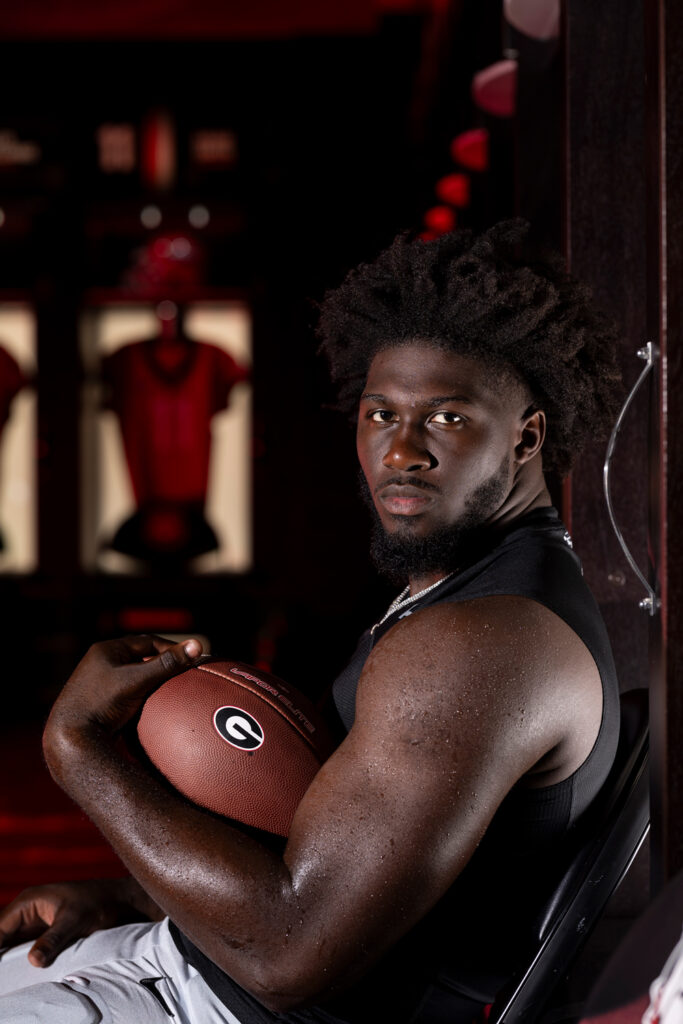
{"type": "Point", "coordinates": [112, 681]}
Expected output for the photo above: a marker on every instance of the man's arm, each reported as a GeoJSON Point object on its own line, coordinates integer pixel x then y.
{"type": "Point", "coordinates": [455, 705]}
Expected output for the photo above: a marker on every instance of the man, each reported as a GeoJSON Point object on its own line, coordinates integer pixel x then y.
{"type": "Point", "coordinates": [481, 710]}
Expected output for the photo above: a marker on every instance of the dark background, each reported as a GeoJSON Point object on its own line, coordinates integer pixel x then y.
{"type": "Point", "coordinates": [341, 141]}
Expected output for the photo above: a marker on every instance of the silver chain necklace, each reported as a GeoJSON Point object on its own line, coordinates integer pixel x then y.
{"type": "Point", "coordinates": [405, 598]}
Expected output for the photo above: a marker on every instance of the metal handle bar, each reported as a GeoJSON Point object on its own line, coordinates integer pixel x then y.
{"type": "Point", "coordinates": [649, 353]}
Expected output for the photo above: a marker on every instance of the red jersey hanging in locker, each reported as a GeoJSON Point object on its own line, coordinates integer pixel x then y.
{"type": "Point", "coordinates": [165, 391]}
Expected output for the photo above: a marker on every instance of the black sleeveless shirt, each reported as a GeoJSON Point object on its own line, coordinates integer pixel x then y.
{"type": "Point", "coordinates": [479, 932]}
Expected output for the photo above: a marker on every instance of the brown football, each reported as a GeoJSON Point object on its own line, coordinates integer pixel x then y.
{"type": "Point", "coordinates": [236, 740]}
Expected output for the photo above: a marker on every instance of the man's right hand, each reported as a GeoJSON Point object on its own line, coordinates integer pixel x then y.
{"type": "Point", "coordinates": [57, 915]}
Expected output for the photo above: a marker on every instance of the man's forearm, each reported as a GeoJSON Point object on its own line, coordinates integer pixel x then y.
{"type": "Point", "coordinates": [232, 896]}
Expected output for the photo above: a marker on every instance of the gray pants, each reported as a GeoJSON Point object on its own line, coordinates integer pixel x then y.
{"type": "Point", "coordinates": [128, 975]}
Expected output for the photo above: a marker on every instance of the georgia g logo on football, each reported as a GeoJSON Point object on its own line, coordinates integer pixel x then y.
{"type": "Point", "coordinates": [238, 728]}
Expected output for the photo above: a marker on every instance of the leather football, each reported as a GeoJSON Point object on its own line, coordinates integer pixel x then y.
{"type": "Point", "coordinates": [236, 740]}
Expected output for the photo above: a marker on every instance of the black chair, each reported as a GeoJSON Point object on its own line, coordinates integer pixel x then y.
{"type": "Point", "coordinates": [623, 821]}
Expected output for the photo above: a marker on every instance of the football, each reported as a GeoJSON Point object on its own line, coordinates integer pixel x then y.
{"type": "Point", "coordinates": [236, 740]}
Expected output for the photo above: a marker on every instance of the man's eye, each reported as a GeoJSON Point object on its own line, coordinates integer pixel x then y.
{"type": "Point", "coordinates": [382, 416]}
{"type": "Point", "coordinates": [449, 418]}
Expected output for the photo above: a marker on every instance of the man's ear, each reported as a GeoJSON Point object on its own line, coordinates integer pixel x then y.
{"type": "Point", "coordinates": [532, 435]}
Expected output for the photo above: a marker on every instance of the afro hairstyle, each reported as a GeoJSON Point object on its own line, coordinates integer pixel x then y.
{"type": "Point", "coordinates": [490, 298]}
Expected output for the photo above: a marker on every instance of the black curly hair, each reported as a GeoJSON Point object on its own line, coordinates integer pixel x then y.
{"type": "Point", "coordinates": [487, 297]}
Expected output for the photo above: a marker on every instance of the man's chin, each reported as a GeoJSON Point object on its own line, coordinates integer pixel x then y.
{"type": "Point", "coordinates": [408, 547]}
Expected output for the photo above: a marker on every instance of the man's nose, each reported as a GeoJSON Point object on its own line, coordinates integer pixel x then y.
{"type": "Point", "coordinates": [407, 452]}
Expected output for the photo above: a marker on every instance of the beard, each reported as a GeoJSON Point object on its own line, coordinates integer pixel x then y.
{"type": "Point", "coordinates": [402, 555]}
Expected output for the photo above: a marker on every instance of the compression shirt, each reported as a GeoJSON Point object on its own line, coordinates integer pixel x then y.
{"type": "Point", "coordinates": [472, 941]}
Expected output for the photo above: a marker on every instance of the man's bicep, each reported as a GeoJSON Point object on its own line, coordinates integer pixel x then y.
{"type": "Point", "coordinates": [376, 843]}
{"type": "Point", "coordinates": [397, 812]}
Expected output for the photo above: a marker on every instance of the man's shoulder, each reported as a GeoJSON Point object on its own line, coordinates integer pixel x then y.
{"type": "Point", "coordinates": [490, 646]}
{"type": "Point", "coordinates": [504, 667]}
{"type": "Point", "coordinates": [479, 631]}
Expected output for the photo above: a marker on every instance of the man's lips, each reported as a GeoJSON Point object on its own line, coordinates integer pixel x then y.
{"type": "Point", "coordinates": [405, 499]}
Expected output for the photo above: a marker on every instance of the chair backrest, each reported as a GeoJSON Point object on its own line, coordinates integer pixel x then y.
{"type": "Point", "coordinates": [622, 819]}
